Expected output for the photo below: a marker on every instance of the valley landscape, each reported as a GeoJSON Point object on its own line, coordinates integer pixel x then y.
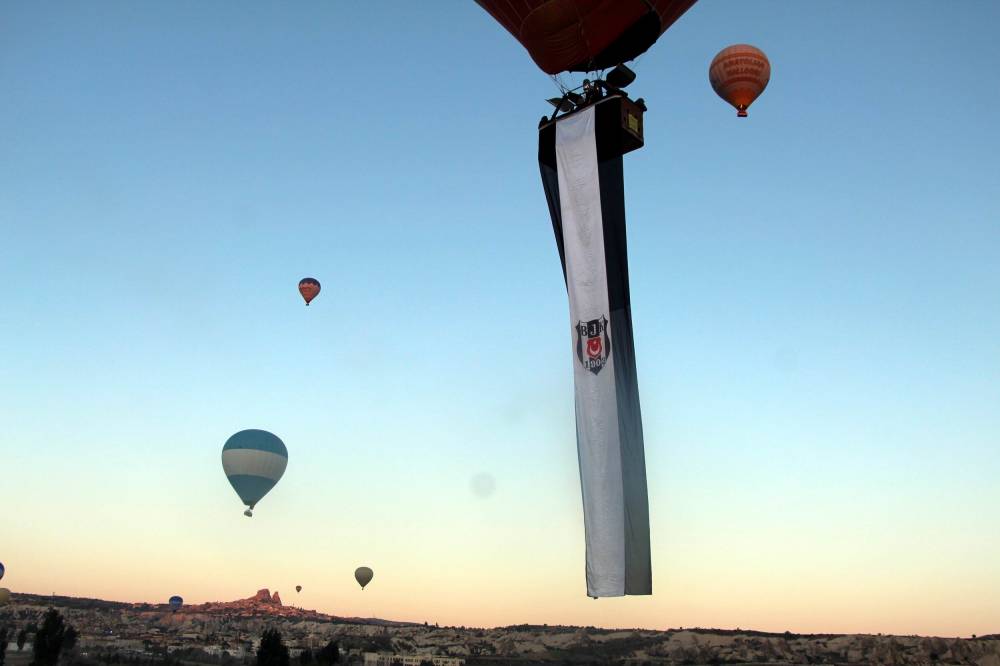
{"type": "Point", "coordinates": [229, 633]}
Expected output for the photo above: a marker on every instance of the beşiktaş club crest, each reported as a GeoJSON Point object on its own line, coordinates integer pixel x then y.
{"type": "Point", "coordinates": [593, 346]}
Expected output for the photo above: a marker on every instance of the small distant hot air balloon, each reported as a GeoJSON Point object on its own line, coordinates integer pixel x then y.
{"type": "Point", "coordinates": [309, 288]}
{"type": "Point", "coordinates": [1, 570]}
{"type": "Point", "coordinates": [364, 576]}
{"type": "Point", "coordinates": [298, 588]}
{"type": "Point", "coordinates": [254, 461]}
{"type": "Point", "coordinates": [739, 73]}
{"type": "Point", "coordinates": [175, 603]}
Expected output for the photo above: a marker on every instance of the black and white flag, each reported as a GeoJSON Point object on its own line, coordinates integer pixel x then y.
{"type": "Point", "coordinates": [581, 166]}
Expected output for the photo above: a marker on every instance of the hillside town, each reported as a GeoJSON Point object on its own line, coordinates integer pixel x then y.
{"type": "Point", "coordinates": [229, 633]}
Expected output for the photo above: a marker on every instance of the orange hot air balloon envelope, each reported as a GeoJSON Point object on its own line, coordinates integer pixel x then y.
{"type": "Point", "coordinates": [739, 73]}
{"type": "Point", "coordinates": [585, 35]}
{"type": "Point", "coordinates": [309, 288]}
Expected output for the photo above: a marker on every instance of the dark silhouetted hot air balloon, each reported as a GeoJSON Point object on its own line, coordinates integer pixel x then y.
{"type": "Point", "coordinates": [364, 576]}
{"type": "Point", "coordinates": [254, 461]}
{"type": "Point", "coordinates": [309, 288]}
{"type": "Point", "coordinates": [298, 588]}
{"type": "Point", "coordinates": [585, 35]}
{"type": "Point", "coordinates": [739, 73]}
{"type": "Point", "coordinates": [175, 603]}
{"type": "Point", "coordinates": [1, 570]}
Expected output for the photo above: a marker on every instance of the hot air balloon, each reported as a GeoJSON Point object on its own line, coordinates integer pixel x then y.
{"type": "Point", "coordinates": [1, 570]}
{"type": "Point", "coordinates": [585, 147]}
{"type": "Point", "coordinates": [309, 288]}
{"type": "Point", "coordinates": [175, 603]}
{"type": "Point", "coordinates": [254, 461]}
{"type": "Point", "coordinates": [364, 576]}
{"type": "Point", "coordinates": [298, 588]}
{"type": "Point", "coordinates": [739, 73]}
{"type": "Point", "coordinates": [584, 35]}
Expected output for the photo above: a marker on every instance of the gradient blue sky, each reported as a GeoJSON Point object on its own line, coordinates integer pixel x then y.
{"type": "Point", "coordinates": [815, 295]}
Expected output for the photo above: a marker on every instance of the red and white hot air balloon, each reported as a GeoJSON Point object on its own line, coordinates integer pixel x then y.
{"type": "Point", "coordinates": [309, 288]}
{"type": "Point", "coordinates": [739, 73]}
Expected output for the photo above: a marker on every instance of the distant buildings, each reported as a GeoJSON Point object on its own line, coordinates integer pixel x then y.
{"type": "Point", "coordinates": [381, 659]}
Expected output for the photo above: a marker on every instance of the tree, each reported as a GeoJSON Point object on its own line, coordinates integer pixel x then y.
{"type": "Point", "coordinates": [22, 637]}
{"type": "Point", "coordinates": [306, 657]}
{"type": "Point", "coordinates": [70, 655]}
{"type": "Point", "coordinates": [272, 651]}
{"type": "Point", "coordinates": [3, 645]}
{"type": "Point", "coordinates": [48, 641]}
{"type": "Point", "coordinates": [330, 654]}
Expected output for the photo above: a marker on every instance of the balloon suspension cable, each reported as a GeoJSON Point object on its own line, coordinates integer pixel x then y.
{"type": "Point", "coordinates": [557, 79]}
{"type": "Point", "coordinates": [593, 91]}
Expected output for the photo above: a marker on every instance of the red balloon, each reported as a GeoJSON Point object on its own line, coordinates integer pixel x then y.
{"type": "Point", "coordinates": [738, 74]}
{"type": "Point", "coordinates": [585, 35]}
{"type": "Point", "coordinates": [309, 288]}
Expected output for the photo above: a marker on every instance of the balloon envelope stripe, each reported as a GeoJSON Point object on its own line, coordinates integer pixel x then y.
{"type": "Point", "coordinates": [254, 463]}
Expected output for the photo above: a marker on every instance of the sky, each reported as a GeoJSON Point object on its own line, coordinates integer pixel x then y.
{"type": "Point", "coordinates": [814, 294]}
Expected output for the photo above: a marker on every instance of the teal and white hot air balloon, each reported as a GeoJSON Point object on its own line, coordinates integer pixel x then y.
{"type": "Point", "coordinates": [254, 461]}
